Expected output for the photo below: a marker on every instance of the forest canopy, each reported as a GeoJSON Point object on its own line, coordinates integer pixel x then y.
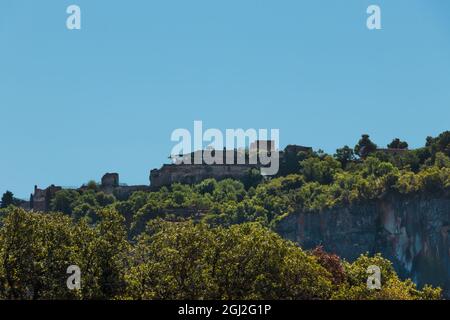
{"type": "Point", "coordinates": [183, 260]}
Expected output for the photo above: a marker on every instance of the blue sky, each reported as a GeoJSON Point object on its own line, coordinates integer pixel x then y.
{"type": "Point", "coordinates": [77, 104]}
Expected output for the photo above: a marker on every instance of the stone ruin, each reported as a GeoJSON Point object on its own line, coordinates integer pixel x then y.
{"type": "Point", "coordinates": [168, 174]}
{"type": "Point", "coordinates": [110, 181]}
{"type": "Point", "coordinates": [40, 200]}
{"type": "Point", "coordinates": [185, 171]}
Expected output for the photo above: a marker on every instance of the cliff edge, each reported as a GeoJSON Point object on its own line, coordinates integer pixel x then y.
{"type": "Point", "coordinates": [412, 232]}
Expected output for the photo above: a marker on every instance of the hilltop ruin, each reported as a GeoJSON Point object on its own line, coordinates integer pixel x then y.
{"type": "Point", "coordinates": [178, 172]}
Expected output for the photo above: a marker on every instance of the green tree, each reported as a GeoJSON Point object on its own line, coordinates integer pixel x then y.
{"type": "Point", "coordinates": [365, 146]}
{"type": "Point", "coordinates": [35, 251]}
{"type": "Point", "coordinates": [320, 170]}
{"type": "Point", "coordinates": [398, 144]}
{"type": "Point", "coordinates": [64, 201]}
{"type": "Point", "coordinates": [290, 161]}
{"type": "Point", "coordinates": [109, 250]}
{"type": "Point", "coordinates": [92, 185]}
{"type": "Point", "coordinates": [345, 155]}
{"type": "Point", "coordinates": [441, 160]}
{"type": "Point", "coordinates": [192, 261]}
{"type": "Point", "coordinates": [392, 288]}
{"type": "Point", "coordinates": [104, 199]}
{"type": "Point", "coordinates": [440, 143]}
{"type": "Point", "coordinates": [252, 178]}
{"type": "Point", "coordinates": [207, 186]}
{"type": "Point", "coordinates": [7, 199]}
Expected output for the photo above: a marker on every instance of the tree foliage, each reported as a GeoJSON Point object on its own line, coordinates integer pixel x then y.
{"type": "Point", "coordinates": [398, 144]}
{"type": "Point", "coordinates": [176, 260]}
{"type": "Point", "coordinates": [8, 199]}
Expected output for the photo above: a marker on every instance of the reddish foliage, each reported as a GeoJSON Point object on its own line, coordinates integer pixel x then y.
{"type": "Point", "coordinates": [332, 263]}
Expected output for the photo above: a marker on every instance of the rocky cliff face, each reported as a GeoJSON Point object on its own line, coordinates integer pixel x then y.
{"type": "Point", "coordinates": [411, 232]}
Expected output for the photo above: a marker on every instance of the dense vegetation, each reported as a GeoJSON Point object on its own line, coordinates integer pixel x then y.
{"type": "Point", "coordinates": [176, 261]}
{"type": "Point", "coordinates": [213, 240]}
{"type": "Point", "coordinates": [307, 181]}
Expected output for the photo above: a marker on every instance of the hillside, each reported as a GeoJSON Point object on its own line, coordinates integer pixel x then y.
{"type": "Point", "coordinates": [391, 201]}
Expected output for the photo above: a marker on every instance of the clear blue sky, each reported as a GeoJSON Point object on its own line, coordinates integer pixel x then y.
{"type": "Point", "coordinates": [77, 104]}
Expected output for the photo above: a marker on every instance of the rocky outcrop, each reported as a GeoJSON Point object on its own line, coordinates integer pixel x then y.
{"type": "Point", "coordinates": [413, 233]}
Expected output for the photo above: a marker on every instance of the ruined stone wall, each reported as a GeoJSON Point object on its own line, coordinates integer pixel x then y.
{"type": "Point", "coordinates": [191, 174]}
{"type": "Point", "coordinates": [42, 197]}
{"type": "Point", "coordinates": [411, 232]}
{"type": "Point", "coordinates": [123, 192]}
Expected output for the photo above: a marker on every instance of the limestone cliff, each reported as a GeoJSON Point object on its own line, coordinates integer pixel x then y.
{"type": "Point", "coordinates": [411, 232]}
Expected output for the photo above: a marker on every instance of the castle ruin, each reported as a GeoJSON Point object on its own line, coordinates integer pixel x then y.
{"type": "Point", "coordinates": [184, 169]}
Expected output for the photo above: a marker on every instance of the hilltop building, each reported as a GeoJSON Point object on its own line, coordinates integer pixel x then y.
{"type": "Point", "coordinates": [234, 164]}
{"type": "Point", "coordinates": [240, 162]}
{"type": "Point", "coordinates": [40, 200]}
